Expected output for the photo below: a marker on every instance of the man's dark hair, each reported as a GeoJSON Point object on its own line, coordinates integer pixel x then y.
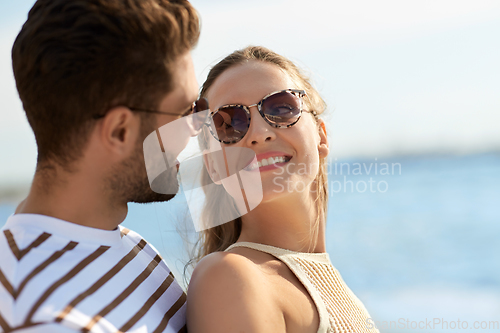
{"type": "Point", "coordinates": [74, 59]}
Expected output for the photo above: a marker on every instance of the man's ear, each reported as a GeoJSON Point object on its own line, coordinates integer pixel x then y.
{"type": "Point", "coordinates": [323, 148]}
{"type": "Point", "coordinates": [211, 169]}
{"type": "Point", "coordinates": [119, 130]}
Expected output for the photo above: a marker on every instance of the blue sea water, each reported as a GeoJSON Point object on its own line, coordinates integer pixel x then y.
{"type": "Point", "coordinates": [421, 245]}
{"type": "Point", "coordinates": [427, 248]}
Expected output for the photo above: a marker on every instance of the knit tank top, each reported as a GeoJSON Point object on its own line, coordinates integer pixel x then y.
{"type": "Point", "coordinates": [340, 311]}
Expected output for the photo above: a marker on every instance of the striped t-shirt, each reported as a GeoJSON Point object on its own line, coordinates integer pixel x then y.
{"type": "Point", "coordinates": [57, 276]}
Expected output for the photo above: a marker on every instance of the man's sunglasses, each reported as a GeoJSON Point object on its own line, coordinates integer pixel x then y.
{"type": "Point", "coordinates": [197, 121]}
{"type": "Point", "coordinates": [280, 109]}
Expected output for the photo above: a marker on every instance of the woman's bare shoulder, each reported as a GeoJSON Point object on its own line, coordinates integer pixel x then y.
{"type": "Point", "coordinates": [243, 262]}
{"type": "Point", "coordinates": [220, 264]}
{"type": "Point", "coordinates": [229, 272]}
{"type": "Point", "coordinates": [228, 292]}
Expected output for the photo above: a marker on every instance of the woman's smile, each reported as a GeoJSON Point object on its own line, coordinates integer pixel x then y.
{"type": "Point", "coordinates": [268, 161]}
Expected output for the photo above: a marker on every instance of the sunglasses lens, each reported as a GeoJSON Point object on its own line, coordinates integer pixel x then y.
{"type": "Point", "coordinates": [200, 117]}
{"type": "Point", "coordinates": [282, 108]}
{"type": "Point", "coordinates": [231, 123]}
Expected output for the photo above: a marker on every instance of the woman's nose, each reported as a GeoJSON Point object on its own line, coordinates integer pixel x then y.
{"type": "Point", "coordinates": [260, 131]}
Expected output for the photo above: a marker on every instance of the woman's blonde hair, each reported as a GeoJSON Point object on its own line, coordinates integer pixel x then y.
{"type": "Point", "coordinates": [222, 236]}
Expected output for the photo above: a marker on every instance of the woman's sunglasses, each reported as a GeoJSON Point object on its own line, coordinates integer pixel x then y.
{"type": "Point", "coordinates": [280, 109]}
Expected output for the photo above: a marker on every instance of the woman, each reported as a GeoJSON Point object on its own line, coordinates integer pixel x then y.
{"type": "Point", "coordinates": [268, 270]}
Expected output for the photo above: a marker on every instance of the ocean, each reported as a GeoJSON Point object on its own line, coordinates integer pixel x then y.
{"type": "Point", "coordinates": [416, 238]}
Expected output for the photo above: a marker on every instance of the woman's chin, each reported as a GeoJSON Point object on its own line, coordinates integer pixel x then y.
{"type": "Point", "coordinates": [277, 190]}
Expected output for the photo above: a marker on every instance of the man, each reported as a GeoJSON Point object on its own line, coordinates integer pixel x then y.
{"type": "Point", "coordinates": [95, 78]}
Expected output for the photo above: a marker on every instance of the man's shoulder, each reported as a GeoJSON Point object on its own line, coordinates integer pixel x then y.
{"type": "Point", "coordinates": [134, 241]}
{"type": "Point", "coordinates": [124, 231]}
{"type": "Point", "coordinates": [57, 280]}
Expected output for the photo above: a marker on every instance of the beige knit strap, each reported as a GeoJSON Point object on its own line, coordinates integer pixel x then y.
{"type": "Point", "coordinates": [279, 252]}
{"type": "Point", "coordinates": [275, 251]}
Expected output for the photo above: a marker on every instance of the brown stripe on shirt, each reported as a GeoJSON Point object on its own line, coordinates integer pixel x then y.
{"type": "Point", "coordinates": [149, 303]}
{"type": "Point", "coordinates": [56, 255]}
{"type": "Point", "coordinates": [15, 249]}
{"type": "Point", "coordinates": [77, 269]}
{"type": "Point", "coordinates": [118, 300]}
{"type": "Point", "coordinates": [170, 313]}
{"type": "Point", "coordinates": [3, 324]}
{"type": "Point", "coordinates": [6, 284]}
{"type": "Point", "coordinates": [105, 278]}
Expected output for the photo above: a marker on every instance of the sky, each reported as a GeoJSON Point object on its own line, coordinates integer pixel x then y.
{"type": "Point", "coordinates": [399, 77]}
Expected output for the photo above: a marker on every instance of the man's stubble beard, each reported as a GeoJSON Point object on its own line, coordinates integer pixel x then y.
{"type": "Point", "coordinates": [129, 181]}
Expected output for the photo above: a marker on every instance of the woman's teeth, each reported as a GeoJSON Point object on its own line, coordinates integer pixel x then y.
{"type": "Point", "coordinates": [271, 160]}
{"type": "Point", "coordinates": [268, 161]}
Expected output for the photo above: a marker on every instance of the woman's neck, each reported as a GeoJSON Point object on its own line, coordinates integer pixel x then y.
{"type": "Point", "coordinates": [289, 222]}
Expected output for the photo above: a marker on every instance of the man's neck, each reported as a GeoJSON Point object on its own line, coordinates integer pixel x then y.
{"type": "Point", "coordinates": [76, 197]}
